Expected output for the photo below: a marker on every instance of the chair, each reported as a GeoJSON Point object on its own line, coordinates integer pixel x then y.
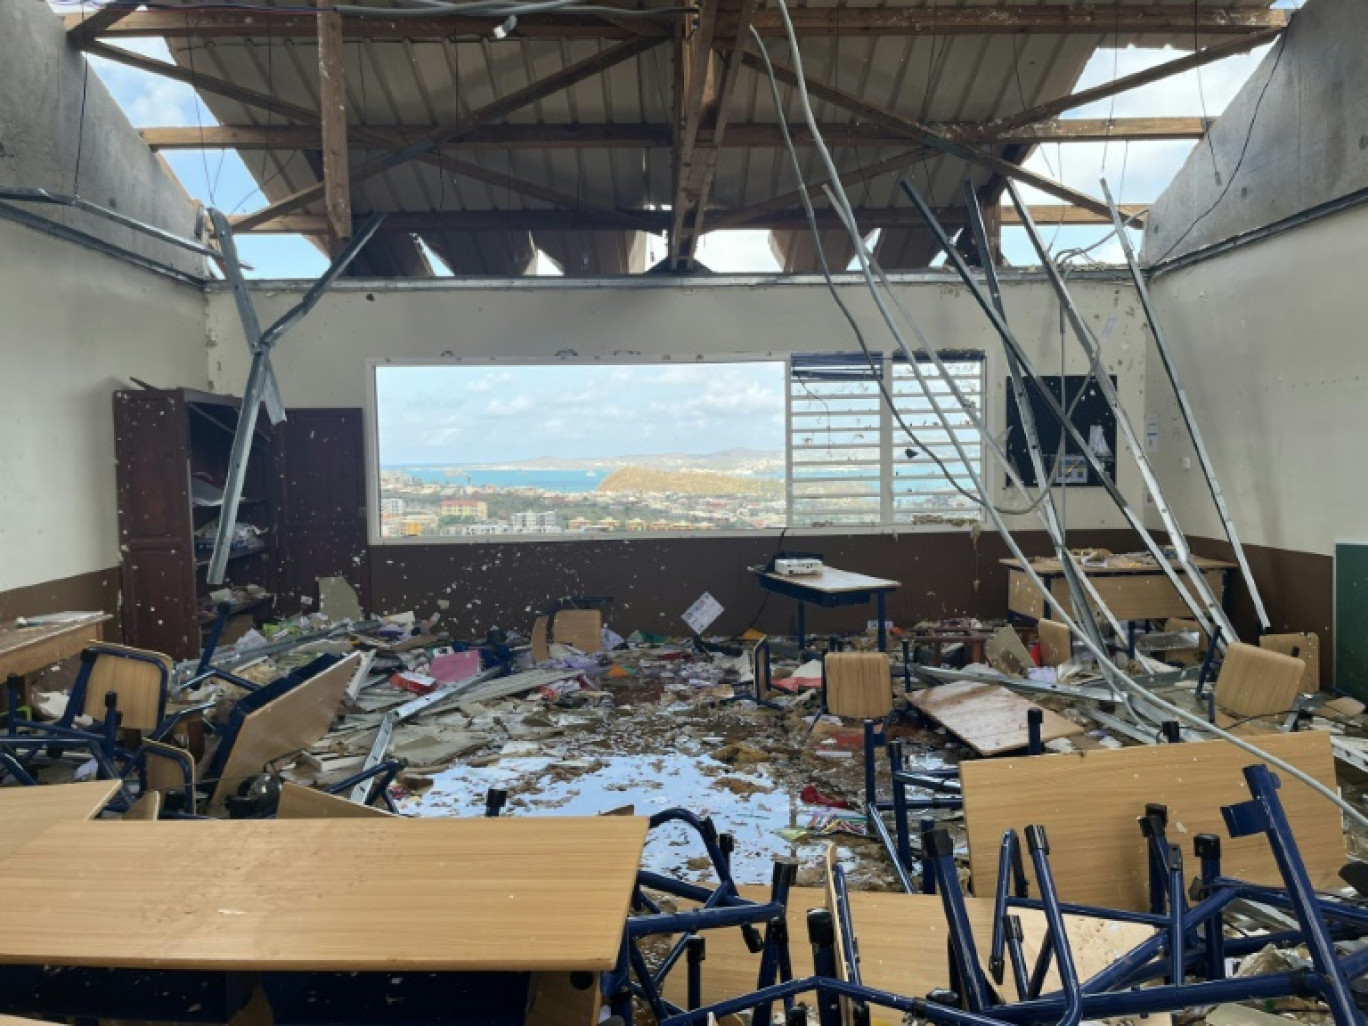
{"type": "Point", "coordinates": [278, 719]}
{"type": "Point", "coordinates": [1255, 682]}
{"type": "Point", "coordinates": [120, 689]}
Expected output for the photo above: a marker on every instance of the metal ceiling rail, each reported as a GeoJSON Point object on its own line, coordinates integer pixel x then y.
{"type": "Point", "coordinates": [1093, 349]}
{"type": "Point", "coordinates": [1185, 407]}
{"type": "Point", "coordinates": [1051, 402]}
{"type": "Point", "coordinates": [261, 384]}
{"type": "Point", "coordinates": [23, 194]}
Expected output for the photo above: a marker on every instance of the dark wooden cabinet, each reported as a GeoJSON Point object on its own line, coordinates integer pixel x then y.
{"type": "Point", "coordinates": [165, 442]}
{"type": "Point", "coordinates": [323, 503]}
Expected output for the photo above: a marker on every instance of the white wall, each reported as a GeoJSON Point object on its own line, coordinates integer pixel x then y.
{"type": "Point", "coordinates": [1271, 346]}
{"type": "Point", "coordinates": [323, 361]}
{"type": "Point", "coordinates": [53, 108]}
{"type": "Point", "coordinates": [75, 326]}
{"type": "Point", "coordinates": [1294, 137]}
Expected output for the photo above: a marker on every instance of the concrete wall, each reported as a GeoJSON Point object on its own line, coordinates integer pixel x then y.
{"type": "Point", "coordinates": [1270, 344]}
{"type": "Point", "coordinates": [75, 326]}
{"type": "Point", "coordinates": [324, 361]}
{"type": "Point", "coordinates": [945, 571]}
{"type": "Point", "coordinates": [42, 83]}
{"type": "Point", "coordinates": [1307, 143]}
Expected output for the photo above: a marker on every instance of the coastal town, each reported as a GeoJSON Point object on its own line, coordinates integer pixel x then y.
{"type": "Point", "coordinates": [630, 499]}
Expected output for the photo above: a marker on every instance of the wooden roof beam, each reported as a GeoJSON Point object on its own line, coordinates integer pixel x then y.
{"type": "Point", "coordinates": [441, 135]}
{"type": "Point", "coordinates": [631, 136]}
{"type": "Point", "coordinates": [1178, 23]}
{"type": "Point", "coordinates": [697, 165]}
{"type": "Point", "coordinates": [915, 131]}
{"type": "Point", "coordinates": [657, 221]}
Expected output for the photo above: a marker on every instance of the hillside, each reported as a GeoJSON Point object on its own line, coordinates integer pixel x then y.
{"type": "Point", "coordinates": [646, 479]}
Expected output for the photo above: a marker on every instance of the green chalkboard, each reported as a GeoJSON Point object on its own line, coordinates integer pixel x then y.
{"type": "Point", "coordinates": [1351, 618]}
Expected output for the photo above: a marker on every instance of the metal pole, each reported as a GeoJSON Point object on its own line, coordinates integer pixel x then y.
{"type": "Point", "coordinates": [1185, 407]}
{"type": "Point", "coordinates": [1094, 353]}
{"type": "Point", "coordinates": [1051, 403]}
{"type": "Point", "coordinates": [1083, 611]}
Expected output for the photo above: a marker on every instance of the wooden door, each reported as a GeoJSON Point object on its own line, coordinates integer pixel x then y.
{"type": "Point", "coordinates": [150, 444]}
{"type": "Point", "coordinates": [323, 504]}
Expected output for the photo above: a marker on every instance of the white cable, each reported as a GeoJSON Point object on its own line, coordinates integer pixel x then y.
{"type": "Point", "coordinates": [1115, 675]}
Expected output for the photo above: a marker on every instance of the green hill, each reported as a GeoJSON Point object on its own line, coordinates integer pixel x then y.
{"type": "Point", "coordinates": [644, 479]}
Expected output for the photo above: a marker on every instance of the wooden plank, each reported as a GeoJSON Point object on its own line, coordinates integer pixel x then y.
{"type": "Point", "coordinates": [547, 893]}
{"type": "Point", "coordinates": [572, 135]}
{"type": "Point", "coordinates": [1173, 20]}
{"type": "Point", "coordinates": [25, 812]}
{"type": "Point", "coordinates": [859, 685]}
{"type": "Point", "coordinates": [1304, 646]}
{"type": "Point", "coordinates": [1257, 682]}
{"type": "Point", "coordinates": [332, 112]}
{"type": "Point", "coordinates": [291, 723]}
{"type": "Point", "coordinates": [1089, 803]}
{"type": "Point", "coordinates": [1056, 641]}
{"type": "Point", "coordinates": [902, 940]}
{"type": "Point", "coordinates": [987, 717]}
{"type": "Point", "coordinates": [298, 802]}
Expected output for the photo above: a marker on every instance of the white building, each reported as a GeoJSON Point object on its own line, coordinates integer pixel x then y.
{"type": "Point", "coordinates": [530, 522]}
{"type": "Point", "coordinates": [391, 507]}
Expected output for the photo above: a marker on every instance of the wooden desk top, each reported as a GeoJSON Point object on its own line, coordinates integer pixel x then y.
{"type": "Point", "coordinates": [13, 638]}
{"type": "Point", "coordinates": [833, 581]}
{"type": "Point", "coordinates": [25, 812]}
{"type": "Point", "coordinates": [459, 895]}
{"type": "Point", "coordinates": [1052, 566]}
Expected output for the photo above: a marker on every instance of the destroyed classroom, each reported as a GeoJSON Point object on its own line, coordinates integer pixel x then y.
{"type": "Point", "coordinates": [713, 513]}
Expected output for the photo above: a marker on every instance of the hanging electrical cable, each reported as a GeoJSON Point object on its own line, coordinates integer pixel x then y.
{"type": "Point", "coordinates": [1111, 671]}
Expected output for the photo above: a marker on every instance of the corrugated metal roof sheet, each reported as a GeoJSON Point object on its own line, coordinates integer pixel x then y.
{"type": "Point", "coordinates": [429, 82]}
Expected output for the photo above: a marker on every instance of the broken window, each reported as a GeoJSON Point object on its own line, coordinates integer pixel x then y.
{"type": "Point", "coordinates": [854, 462]}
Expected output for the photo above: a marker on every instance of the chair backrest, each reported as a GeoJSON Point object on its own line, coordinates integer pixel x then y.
{"type": "Point", "coordinates": [859, 685]}
{"type": "Point", "coordinates": [168, 769]}
{"type": "Point", "coordinates": [140, 679]}
{"type": "Point", "coordinates": [1257, 682]}
{"type": "Point", "coordinates": [148, 806]}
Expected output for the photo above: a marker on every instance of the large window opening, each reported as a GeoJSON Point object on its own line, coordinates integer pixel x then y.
{"type": "Point", "coordinates": [526, 452]}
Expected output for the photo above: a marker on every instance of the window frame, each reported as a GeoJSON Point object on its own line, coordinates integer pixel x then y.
{"type": "Point", "coordinates": [372, 455]}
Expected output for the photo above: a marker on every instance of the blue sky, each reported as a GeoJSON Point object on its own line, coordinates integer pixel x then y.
{"type": "Point", "coordinates": [1137, 171]}
{"type": "Point", "coordinates": [437, 414]}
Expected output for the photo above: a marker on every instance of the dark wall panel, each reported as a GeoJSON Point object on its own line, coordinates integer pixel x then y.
{"type": "Point", "coordinates": [1298, 591]}
{"type": "Point", "coordinates": [951, 573]}
{"type": "Point", "coordinates": [98, 589]}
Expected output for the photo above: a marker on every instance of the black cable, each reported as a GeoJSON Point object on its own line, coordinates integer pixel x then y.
{"type": "Point", "coordinates": [80, 123]}
{"type": "Point", "coordinates": [1244, 150]}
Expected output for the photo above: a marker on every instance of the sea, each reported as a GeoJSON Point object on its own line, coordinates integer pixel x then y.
{"type": "Point", "coordinates": [570, 481]}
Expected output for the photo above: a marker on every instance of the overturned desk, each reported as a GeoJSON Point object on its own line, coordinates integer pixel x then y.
{"type": "Point", "coordinates": [1132, 592]}
{"type": "Point", "coordinates": [829, 589]}
{"type": "Point", "coordinates": [341, 920]}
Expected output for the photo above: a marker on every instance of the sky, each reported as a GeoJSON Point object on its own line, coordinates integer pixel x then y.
{"type": "Point", "coordinates": [1136, 171]}
{"type": "Point", "coordinates": [443, 414]}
